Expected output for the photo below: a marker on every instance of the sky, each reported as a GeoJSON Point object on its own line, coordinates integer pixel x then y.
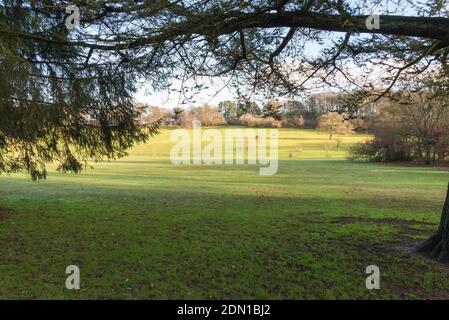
{"type": "Point", "coordinates": [217, 90]}
{"type": "Point", "coordinates": [170, 99]}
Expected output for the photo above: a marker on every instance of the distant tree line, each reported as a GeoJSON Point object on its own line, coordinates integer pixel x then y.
{"type": "Point", "coordinates": [274, 113]}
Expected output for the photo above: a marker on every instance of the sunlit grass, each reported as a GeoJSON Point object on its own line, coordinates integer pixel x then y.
{"type": "Point", "coordinates": [140, 227]}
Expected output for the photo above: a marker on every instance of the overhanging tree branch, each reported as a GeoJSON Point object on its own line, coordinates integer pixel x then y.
{"type": "Point", "coordinates": [211, 25]}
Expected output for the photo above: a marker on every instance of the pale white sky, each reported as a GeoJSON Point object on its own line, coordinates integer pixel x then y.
{"type": "Point", "coordinates": [217, 90]}
{"type": "Point", "coordinates": [169, 99]}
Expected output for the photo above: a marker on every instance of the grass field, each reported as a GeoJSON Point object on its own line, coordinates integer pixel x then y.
{"type": "Point", "coordinates": [143, 228]}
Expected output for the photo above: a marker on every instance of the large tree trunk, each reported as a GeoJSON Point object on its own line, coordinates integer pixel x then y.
{"type": "Point", "coordinates": [438, 244]}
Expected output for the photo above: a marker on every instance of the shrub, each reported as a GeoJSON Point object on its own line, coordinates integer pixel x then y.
{"type": "Point", "coordinates": [208, 116]}
{"type": "Point", "coordinates": [363, 151]}
{"type": "Point", "coordinates": [259, 122]}
{"type": "Point", "coordinates": [293, 122]}
{"type": "Point", "coordinates": [377, 150]}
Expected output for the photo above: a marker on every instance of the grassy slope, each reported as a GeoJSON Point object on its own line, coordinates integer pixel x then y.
{"type": "Point", "coordinates": [142, 228]}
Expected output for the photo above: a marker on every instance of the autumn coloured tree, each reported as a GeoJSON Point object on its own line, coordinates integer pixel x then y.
{"type": "Point", "coordinates": [334, 123]}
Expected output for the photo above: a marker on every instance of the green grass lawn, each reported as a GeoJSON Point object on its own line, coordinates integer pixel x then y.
{"type": "Point", "coordinates": [143, 228]}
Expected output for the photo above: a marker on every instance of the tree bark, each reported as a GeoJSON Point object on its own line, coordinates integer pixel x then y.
{"type": "Point", "coordinates": [438, 244]}
{"type": "Point", "coordinates": [428, 158]}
